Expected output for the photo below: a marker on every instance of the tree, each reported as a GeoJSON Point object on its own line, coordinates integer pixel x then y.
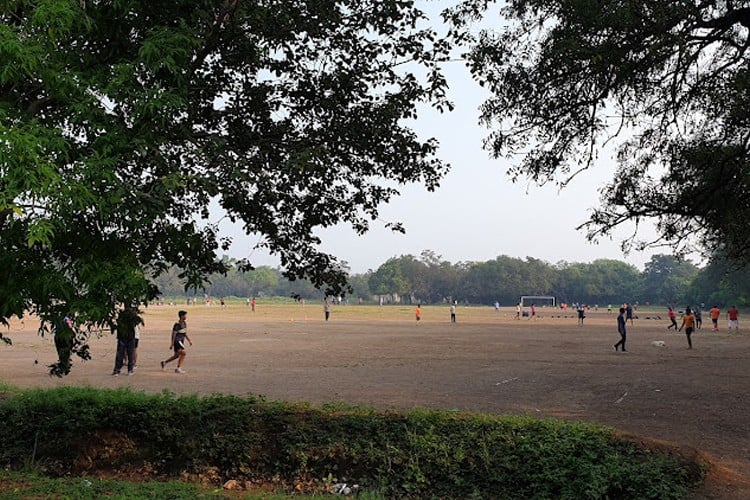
{"type": "Point", "coordinates": [666, 80]}
{"type": "Point", "coordinates": [666, 279]}
{"type": "Point", "coordinates": [395, 276]}
{"type": "Point", "coordinates": [123, 123]}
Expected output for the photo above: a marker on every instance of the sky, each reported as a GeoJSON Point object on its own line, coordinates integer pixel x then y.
{"type": "Point", "coordinates": [477, 214]}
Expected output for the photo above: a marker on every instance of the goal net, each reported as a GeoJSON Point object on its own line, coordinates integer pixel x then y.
{"type": "Point", "coordinates": [538, 300]}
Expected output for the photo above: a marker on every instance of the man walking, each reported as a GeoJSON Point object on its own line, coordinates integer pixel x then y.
{"type": "Point", "coordinates": [621, 330]}
{"type": "Point", "coordinates": [688, 322]}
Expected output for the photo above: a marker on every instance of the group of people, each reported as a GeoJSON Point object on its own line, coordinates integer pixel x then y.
{"type": "Point", "coordinates": [128, 335]}
{"type": "Point", "coordinates": [691, 320]}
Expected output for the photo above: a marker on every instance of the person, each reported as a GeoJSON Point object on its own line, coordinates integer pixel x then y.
{"type": "Point", "coordinates": [518, 311]}
{"type": "Point", "coordinates": [326, 308]}
{"type": "Point", "coordinates": [65, 338]}
{"type": "Point", "coordinates": [179, 336]}
{"type": "Point", "coordinates": [714, 313]}
{"type": "Point", "coordinates": [621, 330]}
{"type": "Point", "coordinates": [688, 322]}
{"type": "Point", "coordinates": [127, 321]}
{"type": "Point", "coordinates": [252, 305]}
{"type": "Point", "coordinates": [533, 311]}
{"type": "Point", "coordinates": [609, 308]}
{"type": "Point", "coordinates": [733, 318]}
{"type": "Point", "coordinates": [453, 313]}
{"type": "Point", "coordinates": [497, 306]}
{"type": "Point", "coordinates": [581, 314]}
{"type": "Point", "coordinates": [629, 313]}
{"type": "Point", "coordinates": [418, 313]}
{"type": "Point", "coordinates": [135, 349]}
{"type": "Point", "coordinates": [698, 318]}
{"type": "Point", "coordinates": [672, 318]}
{"type": "Point", "coordinates": [221, 301]}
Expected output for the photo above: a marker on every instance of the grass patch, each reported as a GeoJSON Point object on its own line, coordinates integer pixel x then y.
{"type": "Point", "coordinates": [297, 448]}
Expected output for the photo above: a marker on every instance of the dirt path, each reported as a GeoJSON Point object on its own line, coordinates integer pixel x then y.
{"type": "Point", "coordinates": [487, 362]}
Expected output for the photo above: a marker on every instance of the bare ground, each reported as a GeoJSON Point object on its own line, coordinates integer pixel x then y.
{"type": "Point", "coordinates": [486, 362]}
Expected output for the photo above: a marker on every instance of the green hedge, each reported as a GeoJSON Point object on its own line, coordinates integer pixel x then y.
{"type": "Point", "coordinates": [402, 454]}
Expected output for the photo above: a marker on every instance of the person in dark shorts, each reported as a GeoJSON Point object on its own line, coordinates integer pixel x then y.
{"type": "Point", "coordinates": [179, 336]}
{"type": "Point", "coordinates": [688, 322]}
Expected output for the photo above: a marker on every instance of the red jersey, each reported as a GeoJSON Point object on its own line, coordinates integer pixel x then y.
{"type": "Point", "coordinates": [733, 314]}
{"type": "Point", "coordinates": [715, 313]}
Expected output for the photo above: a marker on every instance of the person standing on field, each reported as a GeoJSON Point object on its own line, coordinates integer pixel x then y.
{"type": "Point", "coordinates": [127, 321]}
{"type": "Point", "coordinates": [418, 313]}
{"type": "Point", "coordinates": [733, 318]}
{"type": "Point", "coordinates": [688, 322]}
{"type": "Point", "coordinates": [326, 308]}
{"type": "Point", "coordinates": [179, 336]}
{"type": "Point", "coordinates": [621, 330]}
{"type": "Point", "coordinates": [453, 313]}
{"type": "Point", "coordinates": [629, 313]}
{"type": "Point", "coordinates": [715, 312]}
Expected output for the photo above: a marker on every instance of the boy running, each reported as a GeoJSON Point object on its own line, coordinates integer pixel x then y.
{"type": "Point", "coordinates": [179, 336]}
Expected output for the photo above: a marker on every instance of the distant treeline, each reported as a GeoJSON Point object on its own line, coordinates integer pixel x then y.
{"type": "Point", "coordinates": [429, 279]}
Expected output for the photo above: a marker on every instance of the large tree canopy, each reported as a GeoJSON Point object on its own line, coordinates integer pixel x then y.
{"type": "Point", "coordinates": [122, 123]}
{"type": "Point", "coordinates": [666, 80]}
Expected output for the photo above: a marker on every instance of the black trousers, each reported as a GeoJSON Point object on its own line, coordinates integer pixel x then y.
{"type": "Point", "coordinates": [124, 346]}
{"type": "Point", "coordinates": [621, 342]}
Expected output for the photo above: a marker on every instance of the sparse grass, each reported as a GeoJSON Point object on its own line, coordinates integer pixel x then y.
{"type": "Point", "coordinates": [284, 447]}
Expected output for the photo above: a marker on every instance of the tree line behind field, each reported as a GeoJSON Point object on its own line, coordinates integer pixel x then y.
{"type": "Point", "coordinates": [665, 280]}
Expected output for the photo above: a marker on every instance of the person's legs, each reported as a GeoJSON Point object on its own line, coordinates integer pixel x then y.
{"type": "Point", "coordinates": [170, 359]}
{"type": "Point", "coordinates": [621, 343]}
{"type": "Point", "coordinates": [688, 332]}
{"type": "Point", "coordinates": [182, 354]}
{"type": "Point", "coordinates": [130, 349]}
{"type": "Point", "coordinates": [119, 357]}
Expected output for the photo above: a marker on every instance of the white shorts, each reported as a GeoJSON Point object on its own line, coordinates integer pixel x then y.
{"type": "Point", "coordinates": [734, 323]}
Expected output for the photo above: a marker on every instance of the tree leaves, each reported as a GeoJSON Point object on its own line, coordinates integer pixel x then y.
{"type": "Point", "coordinates": [663, 80]}
{"type": "Point", "coordinates": [125, 121]}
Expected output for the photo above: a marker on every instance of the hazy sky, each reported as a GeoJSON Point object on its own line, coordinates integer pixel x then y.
{"type": "Point", "coordinates": [477, 214]}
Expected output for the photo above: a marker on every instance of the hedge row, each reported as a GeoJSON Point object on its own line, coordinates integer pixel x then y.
{"type": "Point", "coordinates": [415, 454]}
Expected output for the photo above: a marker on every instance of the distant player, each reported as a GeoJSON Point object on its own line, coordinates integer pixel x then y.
{"type": "Point", "coordinates": [581, 314]}
{"type": "Point", "coordinates": [733, 317]}
{"type": "Point", "coordinates": [673, 319]}
{"type": "Point", "coordinates": [518, 311]}
{"type": "Point", "coordinates": [688, 322]}
{"type": "Point", "coordinates": [715, 312]}
{"type": "Point", "coordinates": [453, 313]}
{"type": "Point", "coordinates": [629, 313]}
{"type": "Point", "coordinates": [418, 313]}
{"type": "Point", "coordinates": [621, 330]}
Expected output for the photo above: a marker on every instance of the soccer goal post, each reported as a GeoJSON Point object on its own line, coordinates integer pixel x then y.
{"type": "Point", "coordinates": [537, 300]}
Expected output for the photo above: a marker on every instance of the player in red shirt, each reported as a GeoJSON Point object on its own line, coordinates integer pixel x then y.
{"type": "Point", "coordinates": [733, 315]}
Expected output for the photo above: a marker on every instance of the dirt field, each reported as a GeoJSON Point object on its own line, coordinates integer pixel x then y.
{"type": "Point", "coordinates": [487, 362]}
